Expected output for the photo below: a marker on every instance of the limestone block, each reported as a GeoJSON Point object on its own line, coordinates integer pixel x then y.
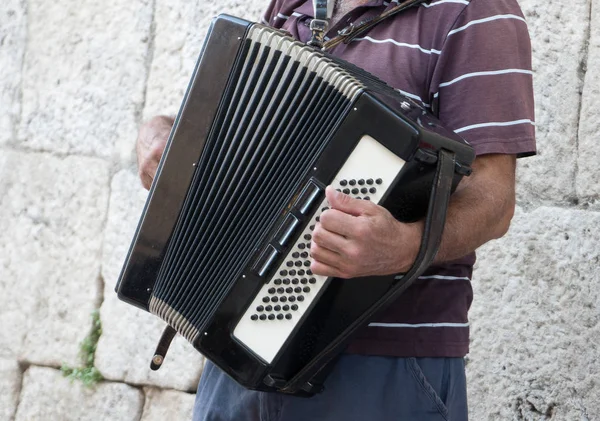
{"type": "Point", "coordinates": [588, 171]}
{"type": "Point", "coordinates": [180, 31]}
{"type": "Point", "coordinates": [536, 320]}
{"type": "Point", "coordinates": [129, 334]}
{"type": "Point", "coordinates": [47, 395]}
{"type": "Point", "coordinates": [13, 29]}
{"type": "Point", "coordinates": [10, 386]}
{"type": "Point", "coordinates": [84, 75]}
{"type": "Point", "coordinates": [559, 37]}
{"type": "Point", "coordinates": [52, 211]}
{"type": "Point", "coordinates": [163, 405]}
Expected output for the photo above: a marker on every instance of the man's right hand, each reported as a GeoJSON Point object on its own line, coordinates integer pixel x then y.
{"type": "Point", "coordinates": [150, 146]}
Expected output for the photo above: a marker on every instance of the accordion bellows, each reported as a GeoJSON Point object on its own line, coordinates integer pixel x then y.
{"type": "Point", "coordinates": [283, 98]}
{"type": "Point", "coordinates": [221, 251]}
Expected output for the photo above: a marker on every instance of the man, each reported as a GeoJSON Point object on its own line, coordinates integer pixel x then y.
{"type": "Point", "coordinates": [469, 62]}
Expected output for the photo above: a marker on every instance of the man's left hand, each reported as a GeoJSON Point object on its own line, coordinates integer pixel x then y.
{"type": "Point", "coordinates": [357, 238]}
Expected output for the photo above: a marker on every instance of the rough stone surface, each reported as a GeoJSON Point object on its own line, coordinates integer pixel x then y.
{"type": "Point", "coordinates": [130, 335]}
{"type": "Point", "coordinates": [180, 31]}
{"type": "Point", "coordinates": [47, 395]}
{"type": "Point", "coordinates": [163, 405]}
{"type": "Point", "coordinates": [10, 387]}
{"type": "Point", "coordinates": [52, 212]}
{"type": "Point", "coordinates": [588, 168]}
{"type": "Point", "coordinates": [536, 320]}
{"type": "Point", "coordinates": [84, 84]}
{"type": "Point", "coordinates": [77, 77]}
{"type": "Point", "coordinates": [559, 33]}
{"type": "Point", "coordinates": [12, 48]}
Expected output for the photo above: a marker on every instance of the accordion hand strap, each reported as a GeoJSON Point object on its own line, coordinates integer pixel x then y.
{"type": "Point", "coordinates": [311, 376]}
{"type": "Point", "coordinates": [162, 347]}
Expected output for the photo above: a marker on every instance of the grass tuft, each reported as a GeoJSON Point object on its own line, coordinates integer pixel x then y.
{"type": "Point", "coordinates": [87, 373]}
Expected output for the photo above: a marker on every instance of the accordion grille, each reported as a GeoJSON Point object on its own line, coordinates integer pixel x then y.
{"type": "Point", "coordinates": [282, 103]}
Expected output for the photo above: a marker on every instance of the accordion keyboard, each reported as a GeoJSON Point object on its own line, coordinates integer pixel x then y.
{"type": "Point", "coordinates": [288, 294]}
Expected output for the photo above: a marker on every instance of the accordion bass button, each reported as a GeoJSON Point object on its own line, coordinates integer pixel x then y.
{"type": "Point", "coordinates": [266, 260]}
{"type": "Point", "coordinates": [286, 230]}
{"type": "Point", "coordinates": [308, 198]}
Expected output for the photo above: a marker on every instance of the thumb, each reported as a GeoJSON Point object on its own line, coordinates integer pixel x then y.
{"type": "Point", "coordinates": [344, 203]}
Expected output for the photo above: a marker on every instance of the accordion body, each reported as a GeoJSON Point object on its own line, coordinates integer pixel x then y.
{"type": "Point", "coordinates": [221, 252]}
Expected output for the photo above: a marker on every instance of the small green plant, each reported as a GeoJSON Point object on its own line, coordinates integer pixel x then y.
{"type": "Point", "coordinates": [87, 373]}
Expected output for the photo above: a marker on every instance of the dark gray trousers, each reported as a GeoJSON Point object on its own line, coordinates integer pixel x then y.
{"type": "Point", "coordinates": [360, 388]}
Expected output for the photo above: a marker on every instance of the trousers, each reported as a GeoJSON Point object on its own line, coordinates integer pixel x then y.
{"type": "Point", "coordinates": [359, 388]}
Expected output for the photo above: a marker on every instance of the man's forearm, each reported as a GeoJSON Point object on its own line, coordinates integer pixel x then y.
{"type": "Point", "coordinates": [482, 207]}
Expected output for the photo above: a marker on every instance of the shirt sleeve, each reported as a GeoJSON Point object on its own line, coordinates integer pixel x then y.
{"type": "Point", "coordinates": [482, 85]}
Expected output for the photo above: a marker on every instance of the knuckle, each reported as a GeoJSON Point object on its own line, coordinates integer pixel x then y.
{"type": "Point", "coordinates": [314, 249]}
{"type": "Point", "coordinates": [345, 199]}
{"type": "Point", "coordinates": [361, 229]}
{"type": "Point", "coordinates": [326, 217]}
{"type": "Point", "coordinates": [156, 150]}
{"type": "Point", "coordinates": [317, 234]}
{"type": "Point", "coordinates": [354, 254]}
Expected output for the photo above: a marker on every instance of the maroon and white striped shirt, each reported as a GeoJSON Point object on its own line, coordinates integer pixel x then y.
{"type": "Point", "coordinates": [469, 62]}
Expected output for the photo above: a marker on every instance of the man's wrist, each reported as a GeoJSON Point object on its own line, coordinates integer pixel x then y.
{"type": "Point", "coordinates": [409, 239]}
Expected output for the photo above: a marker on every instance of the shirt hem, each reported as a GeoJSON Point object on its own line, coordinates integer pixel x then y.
{"type": "Point", "coordinates": [405, 350]}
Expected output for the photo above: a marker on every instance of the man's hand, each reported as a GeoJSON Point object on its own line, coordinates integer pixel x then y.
{"type": "Point", "coordinates": [150, 146]}
{"type": "Point", "coordinates": [359, 238]}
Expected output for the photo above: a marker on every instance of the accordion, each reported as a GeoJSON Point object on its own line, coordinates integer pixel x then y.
{"type": "Point", "coordinates": [221, 252]}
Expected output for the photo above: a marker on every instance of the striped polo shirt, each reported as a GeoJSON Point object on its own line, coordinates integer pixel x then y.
{"type": "Point", "coordinates": [469, 62]}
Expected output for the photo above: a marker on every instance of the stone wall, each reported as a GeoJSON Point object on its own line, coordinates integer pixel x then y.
{"type": "Point", "coordinates": [78, 78]}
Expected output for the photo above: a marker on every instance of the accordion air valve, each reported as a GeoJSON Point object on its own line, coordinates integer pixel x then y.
{"type": "Point", "coordinates": [221, 252]}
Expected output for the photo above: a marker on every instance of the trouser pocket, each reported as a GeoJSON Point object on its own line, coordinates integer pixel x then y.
{"type": "Point", "coordinates": [441, 382]}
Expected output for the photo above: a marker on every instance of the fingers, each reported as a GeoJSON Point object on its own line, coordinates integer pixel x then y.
{"type": "Point", "coordinates": [347, 204]}
{"type": "Point", "coordinates": [324, 255]}
{"type": "Point", "coordinates": [150, 145]}
{"type": "Point", "coordinates": [146, 180]}
{"type": "Point", "coordinates": [327, 235]}
{"type": "Point", "coordinates": [323, 269]}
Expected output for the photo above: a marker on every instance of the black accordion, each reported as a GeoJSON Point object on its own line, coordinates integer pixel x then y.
{"type": "Point", "coordinates": [221, 252]}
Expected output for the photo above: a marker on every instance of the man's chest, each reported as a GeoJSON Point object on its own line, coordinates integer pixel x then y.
{"type": "Point", "coordinates": [399, 51]}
